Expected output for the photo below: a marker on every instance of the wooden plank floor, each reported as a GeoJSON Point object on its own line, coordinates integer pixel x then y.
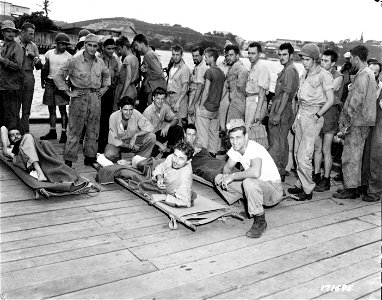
{"type": "Point", "coordinates": [113, 245]}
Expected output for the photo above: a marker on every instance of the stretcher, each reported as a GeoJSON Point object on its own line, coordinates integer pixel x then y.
{"type": "Point", "coordinates": [50, 189]}
{"type": "Point", "coordinates": [202, 212]}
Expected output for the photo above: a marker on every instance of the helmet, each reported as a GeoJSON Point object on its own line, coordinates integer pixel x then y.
{"type": "Point", "coordinates": [83, 32]}
{"type": "Point", "coordinates": [62, 38]}
{"type": "Point", "coordinates": [310, 50]}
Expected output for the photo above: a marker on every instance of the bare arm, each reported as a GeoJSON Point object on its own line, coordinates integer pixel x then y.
{"type": "Point", "coordinates": [127, 81]}
{"type": "Point", "coordinates": [205, 93]}
{"type": "Point", "coordinates": [259, 105]}
{"type": "Point", "coordinates": [199, 89]}
{"type": "Point", "coordinates": [7, 148]}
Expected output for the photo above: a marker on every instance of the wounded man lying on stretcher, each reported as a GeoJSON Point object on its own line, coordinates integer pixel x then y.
{"type": "Point", "coordinates": [174, 177]}
{"type": "Point", "coordinates": [31, 154]}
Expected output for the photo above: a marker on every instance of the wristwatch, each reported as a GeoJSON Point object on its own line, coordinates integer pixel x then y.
{"type": "Point", "coordinates": [318, 116]}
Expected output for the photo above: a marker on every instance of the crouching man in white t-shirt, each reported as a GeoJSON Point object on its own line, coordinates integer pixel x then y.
{"type": "Point", "coordinates": [259, 183]}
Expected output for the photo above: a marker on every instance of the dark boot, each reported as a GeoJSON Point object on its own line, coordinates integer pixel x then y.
{"type": "Point", "coordinates": [371, 198]}
{"type": "Point", "coordinates": [338, 177]}
{"type": "Point", "coordinates": [89, 161]}
{"type": "Point", "coordinates": [316, 178]}
{"type": "Point", "coordinates": [347, 194]}
{"type": "Point", "coordinates": [362, 190]}
{"type": "Point", "coordinates": [63, 138]}
{"type": "Point", "coordinates": [51, 135]}
{"type": "Point", "coordinates": [258, 227]}
{"type": "Point", "coordinates": [324, 185]}
{"type": "Point", "coordinates": [68, 163]}
{"type": "Point", "coordinates": [303, 196]}
{"type": "Point", "coordinates": [295, 190]}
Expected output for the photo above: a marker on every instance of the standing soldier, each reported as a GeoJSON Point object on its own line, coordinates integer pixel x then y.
{"type": "Point", "coordinates": [259, 80]}
{"type": "Point", "coordinates": [177, 85]}
{"type": "Point", "coordinates": [90, 79]}
{"type": "Point", "coordinates": [107, 100]}
{"type": "Point", "coordinates": [11, 74]}
{"type": "Point", "coordinates": [316, 97]}
{"type": "Point", "coordinates": [53, 97]}
{"type": "Point", "coordinates": [236, 82]}
{"type": "Point", "coordinates": [281, 115]}
{"type": "Point", "coordinates": [31, 61]}
{"type": "Point", "coordinates": [151, 69]}
{"type": "Point", "coordinates": [357, 116]}
{"type": "Point", "coordinates": [197, 82]}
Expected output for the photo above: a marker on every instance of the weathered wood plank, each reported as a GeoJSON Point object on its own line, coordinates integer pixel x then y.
{"type": "Point", "coordinates": [258, 272]}
{"type": "Point", "coordinates": [376, 295]}
{"type": "Point", "coordinates": [346, 275]}
{"type": "Point", "coordinates": [372, 218]}
{"type": "Point", "coordinates": [169, 278]}
{"type": "Point", "coordinates": [169, 258]}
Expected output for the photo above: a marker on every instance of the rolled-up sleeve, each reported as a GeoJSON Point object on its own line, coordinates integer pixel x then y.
{"type": "Point", "coordinates": [264, 80]}
{"type": "Point", "coordinates": [144, 124]}
{"type": "Point", "coordinates": [327, 81]}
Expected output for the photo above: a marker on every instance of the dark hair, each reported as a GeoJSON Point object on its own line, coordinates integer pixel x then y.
{"type": "Point", "coordinates": [257, 45]}
{"type": "Point", "coordinates": [191, 126]}
{"type": "Point", "coordinates": [141, 38]}
{"type": "Point", "coordinates": [376, 63]}
{"type": "Point", "coordinates": [185, 147]}
{"type": "Point", "coordinates": [232, 47]}
{"type": "Point", "coordinates": [287, 46]}
{"type": "Point", "coordinates": [126, 101]}
{"type": "Point", "coordinates": [361, 51]}
{"type": "Point", "coordinates": [177, 48]}
{"type": "Point", "coordinates": [333, 55]}
{"type": "Point", "coordinates": [159, 91]}
{"type": "Point", "coordinates": [199, 49]}
{"type": "Point", "coordinates": [213, 52]}
{"type": "Point", "coordinates": [27, 25]}
{"type": "Point", "coordinates": [242, 128]}
{"type": "Point", "coordinates": [123, 41]}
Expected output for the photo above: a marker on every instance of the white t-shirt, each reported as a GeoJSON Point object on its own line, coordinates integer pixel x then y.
{"type": "Point", "coordinates": [56, 61]}
{"type": "Point", "coordinates": [269, 171]}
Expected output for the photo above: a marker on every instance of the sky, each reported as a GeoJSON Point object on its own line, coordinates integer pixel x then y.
{"type": "Point", "coordinates": [255, 20]}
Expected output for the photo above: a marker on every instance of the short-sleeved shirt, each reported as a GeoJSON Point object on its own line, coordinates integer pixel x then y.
{"type": "Point", "coordinates": [178, 77]}
{"type": "Point", "coordinates": [118, 134]}
{"type": "Point", "coordinates": [269, 171]}
{"type": "Point", "coordinates": [113, 64]}
{"type": "Point", "coordinates": [56, 61]}
{"type": "Point", "coordinates": [159, 121]}
{"type": "Point", "coordinates": [338, 91]}
{"type": "Point", "coordinates": [77, 68]}
{"type": "Point", "coordinates": [237, 80]}
{"type": "Point", "coordinates": [197, 75]}
{"type": "Point", "coordinates": [258, 77]}
{"type": "Point", "coordinates": [216, 77]}
{"type": "Point", "coordinates": [287, 82]}
{"type": "Point", "coordinates": [313, 87]}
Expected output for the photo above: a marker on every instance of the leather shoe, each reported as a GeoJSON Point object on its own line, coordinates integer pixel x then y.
{"type": "Point", "coordinates": [347, 194]}
{"type": "Point", "coordinates": [295, 190]}
{"type": "Point", "coordinates": [371, 198]}
{"type": "Point", "coordinates": [303, 196]}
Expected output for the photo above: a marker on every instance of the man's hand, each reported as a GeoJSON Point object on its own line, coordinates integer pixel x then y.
{"type": "Point", "coordinates": [43, 84]}
{"type": "Point", "coordinates": [160, 183]}
{"type": "Point", "coordinates": [143, 69]}
{"type": "Point", "coordinates": [101, 92]}
{"type": "Point", "coordinates": [164, 131]}
{"type": "Point", "coordinates": [132, 142]}
{"type": "Point", "coordinates": [75, 93]}
{"type": "Point", "coordinates": [191, 110]}
{"type": "Point", "coordinates": [257, 118]}
{"type": "Point", "coordinates": [225, 181]}
{"type": "Point", "coordinates": [276, 119]}
{"type": "Point", "coordinates": [176, 106]}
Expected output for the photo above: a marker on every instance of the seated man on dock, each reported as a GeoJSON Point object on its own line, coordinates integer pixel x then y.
{"type": "Point", "coordinates": [259, 183]}
{"type": "Point", "coordinates": [22, 150]}
{"type": "Point", "coordinates": [174, 177]}
{"type": "Point", "coordinates": [129, 131]}
{"type": "Point", "coordinates": [203, 164]}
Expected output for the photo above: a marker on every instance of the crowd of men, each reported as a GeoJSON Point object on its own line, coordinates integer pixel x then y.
{"type": "Point", "coordinates": [121, 100]}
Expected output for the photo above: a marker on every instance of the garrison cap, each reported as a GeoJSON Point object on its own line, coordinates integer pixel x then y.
{"type": "Point", "coordinates": [235, 123]}
{"type": "Point", "coordinates": [91, 37]}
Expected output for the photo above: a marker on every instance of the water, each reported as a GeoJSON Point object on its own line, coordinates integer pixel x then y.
{"type": "Point", "coordinates": [40, 110]}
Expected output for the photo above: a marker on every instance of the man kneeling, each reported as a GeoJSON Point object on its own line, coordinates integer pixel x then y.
{"type": "Point", "coordinates": [260, 181]}
{"type": "Point", "coordinates": [22, 150]}
{"type": "Point", "coordinates": [174, 177]}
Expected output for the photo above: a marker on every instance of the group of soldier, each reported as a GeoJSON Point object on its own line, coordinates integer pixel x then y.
{"type": "Point", "coordinates": [107, 79]}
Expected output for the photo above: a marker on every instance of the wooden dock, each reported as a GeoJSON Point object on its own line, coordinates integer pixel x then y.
{"type": "Point", "coordinates": [113, 245]}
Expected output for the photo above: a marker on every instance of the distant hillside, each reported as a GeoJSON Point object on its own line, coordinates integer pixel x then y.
{"type": "Point", "coordinates": [162, 36]}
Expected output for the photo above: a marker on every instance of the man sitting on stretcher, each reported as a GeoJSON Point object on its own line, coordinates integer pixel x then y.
{"type": "Point", "coordinates": [174, 177]}
{"type": "Point", "coordinates": [21, 148]}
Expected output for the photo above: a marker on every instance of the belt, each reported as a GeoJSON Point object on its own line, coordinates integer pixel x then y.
{"type": "Point", "coordinates": [252, 94]}
{"type": "Point", "coordinates": [90, 90]}
{"type": "Point", "coordinates": [171, 92]}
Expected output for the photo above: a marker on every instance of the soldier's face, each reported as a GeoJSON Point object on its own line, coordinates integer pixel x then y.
{"type": "Point", "coordinates": [9, 34]}
{"type": "Point", "coordinates": [127, 111]}
{"type": "Point", "coordinates": [109, 50]}
{"type": "Point", "coordinates": [284, 57]}
{"type": "Point", "coordinates": [91, 48]}
{"type": "Point", "coordinates": [14, 136]}
{"type": "Point", "coordinates": [176, 56]}
{"type": "Point", "coordinates": [196, 57]}
{"type": "Point", "coordinates": [158, 100]}
{"type": "Point", "coordinates": [307, 62]}
{"type": "Point", "coordinates": [238, 139]}
{"type": "Point", "coordinates": [179, 159]}
{"type": "Point", "coordinates": [232, 57]}
{"type": "Point", "coordinates": [326, 62]}
{"type": "Point", "coordinates": [253, 54]}
{"type": "Point", "coordinates": [28, 35]}
{"type": "Point", "coordinates": [61, 47]}
{"type": "Point", "coordinates": [375, 69]}
{"type": "Point", "coordinates": [191, 135]}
